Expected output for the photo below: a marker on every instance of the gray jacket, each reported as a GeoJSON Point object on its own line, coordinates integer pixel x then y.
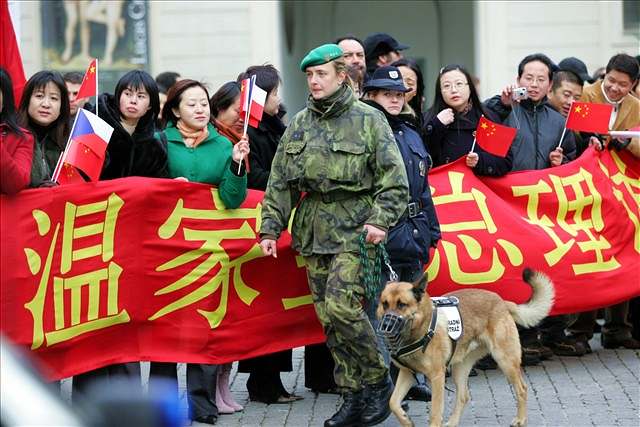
{"type": "Point", "coordinates": [539, 130]}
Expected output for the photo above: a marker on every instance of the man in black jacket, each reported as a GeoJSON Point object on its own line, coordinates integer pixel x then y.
{"type": "Point", "coordinates": [536, 145]}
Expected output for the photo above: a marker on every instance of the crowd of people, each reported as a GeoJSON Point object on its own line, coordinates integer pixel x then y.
{"type": "Point", "coordinates": [360, 153]}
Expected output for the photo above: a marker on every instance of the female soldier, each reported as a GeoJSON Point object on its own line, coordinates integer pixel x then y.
{"type": "Point", "coordinates": [342, 154]}
{"type": "Point", "coordinates": [16, 143]}
{"type": "Point", "coordinates": [44, 110]}
{"type": "Point", "coordinates": [451, 122]}
{"type": "Point", "coordinates": [197, 152]}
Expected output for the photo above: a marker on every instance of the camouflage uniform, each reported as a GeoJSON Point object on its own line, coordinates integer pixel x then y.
{"type": "Point", "coordinates": [342, 153]}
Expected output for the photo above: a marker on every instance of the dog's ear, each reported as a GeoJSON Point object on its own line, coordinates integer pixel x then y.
{"type": "Point", "coordinates": [419, 287]}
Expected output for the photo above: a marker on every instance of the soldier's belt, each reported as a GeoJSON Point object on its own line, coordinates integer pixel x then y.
{"type": "Point", "coordinates": [413, 210]}
{"type": "Point", "coordinates": [337, 195]}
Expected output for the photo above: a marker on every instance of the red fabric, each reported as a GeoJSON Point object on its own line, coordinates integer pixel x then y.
{"type": "Point", "coordinates": [190, 284]}
{"type": "Point", "coordinates": [494, 138]}
{"type": "Point", "coordinates": [69, 175]}
{"type": "Point", "coordinates": [87, 152]}
{"type": "Point", "coordinates": [10, 58]}
{"type": "Point", "coordinates": [589, 117]}
{"type": "Point", "coordinates": [15, 160]}
{"type": "Point", "coordinates": [89, 84]}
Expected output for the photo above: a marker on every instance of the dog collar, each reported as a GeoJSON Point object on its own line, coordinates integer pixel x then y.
{"type": "Point", "coordinates": [422, 342]}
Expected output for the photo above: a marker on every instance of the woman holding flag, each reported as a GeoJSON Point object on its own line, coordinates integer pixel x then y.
{"type": "Point", "coordinates": [451, 122]}
{"type": "Point", "coordinates": [44, 110]}
{"type": "Point", "coordinates": [197, 152]}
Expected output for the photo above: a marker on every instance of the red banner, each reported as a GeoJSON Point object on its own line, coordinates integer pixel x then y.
{"type": "Point", "coordinates": [148, 269]}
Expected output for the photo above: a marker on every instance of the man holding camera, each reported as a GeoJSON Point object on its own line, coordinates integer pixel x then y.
{"type": "Point", "coordinates": [536, 145]}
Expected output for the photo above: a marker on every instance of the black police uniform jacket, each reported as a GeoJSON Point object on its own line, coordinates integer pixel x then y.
{"type": "Point", "coordinates": [140, 154]}
{"type": "Point", "coordinates": [410, 239]}
{"type": "Point", "coordinates": [450, 142]}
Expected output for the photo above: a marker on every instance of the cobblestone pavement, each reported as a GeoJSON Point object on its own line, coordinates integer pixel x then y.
{"type": "Point", "coordinates": [599, 389]}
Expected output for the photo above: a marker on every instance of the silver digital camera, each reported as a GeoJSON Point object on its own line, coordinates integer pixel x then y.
{"type": "Point", "coordinates": [519, 93]}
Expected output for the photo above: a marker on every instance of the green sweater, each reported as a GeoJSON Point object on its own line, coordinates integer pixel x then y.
{"type": "Point", "coordinates": [210, 162]}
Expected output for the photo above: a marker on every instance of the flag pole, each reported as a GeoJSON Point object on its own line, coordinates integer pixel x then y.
{"type": "Point", "coordinates": [246, 116]}
{"type": "Point", "coordinates": [63, 155]}
{"type": "Point", "coordinates": [473, 145]}
{"type": "Point", "coordinates": [564, 130]}
{"type": "Point", "coordinates": [96, 86]}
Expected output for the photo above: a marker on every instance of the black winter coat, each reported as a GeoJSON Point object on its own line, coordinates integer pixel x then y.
{"type": "Point", "coordinates": [410, 239]}
{"type": "Point", "coordinates": [450, 142]}
{"type": "Point", "coordinates": [140, 154]}
{"type": "Point", "coordinates": [263, 142]}
{"type": "Point", "coordinates": [539, 130]}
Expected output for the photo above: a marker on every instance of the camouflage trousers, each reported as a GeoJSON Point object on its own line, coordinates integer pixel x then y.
{"type": "Point", "coordinates": [338, 295]}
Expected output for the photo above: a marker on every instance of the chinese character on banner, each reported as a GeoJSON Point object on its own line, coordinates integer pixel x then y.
{"type": "Point", "coordinates": [474, 202]}
{"type": "Point", "coordinates": [625, 185]}
{"type": "Point", "coordinates": [229, 270]}
{"type": "Point", "coordinates": [76, 312]}
{"type": "Point", "coordinates": [576, 194]}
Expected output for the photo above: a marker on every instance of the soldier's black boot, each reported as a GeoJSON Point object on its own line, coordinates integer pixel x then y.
{"type": "Point", "coordinates": [377, 403]}
{"type": "Point", "coordinates": [349, 413]}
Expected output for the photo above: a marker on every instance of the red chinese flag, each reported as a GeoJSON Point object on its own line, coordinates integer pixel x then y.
{"type": "Point", "coordinates": [10, 58]}
{"type": "Point", "coordinates": [494, 138]}
{"type": "Point", "coordinates": [89, 84]}
{"type": "Point", "coordinates": [589, 117]}
{"type": "Point", "coordinates": [69, 175]}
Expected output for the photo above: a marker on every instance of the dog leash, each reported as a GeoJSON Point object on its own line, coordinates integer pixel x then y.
{"type": "Point", "coordinates": [373, 271]}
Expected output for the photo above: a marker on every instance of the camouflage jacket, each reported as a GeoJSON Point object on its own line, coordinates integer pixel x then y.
{"type": "Point", "coordinates": [341, 154]}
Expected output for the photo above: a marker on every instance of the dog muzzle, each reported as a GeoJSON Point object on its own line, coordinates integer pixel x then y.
{"type": "Point", "coordinates": [393, 329]}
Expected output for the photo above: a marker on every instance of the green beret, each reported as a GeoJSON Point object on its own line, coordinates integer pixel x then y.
{"type": "Point", "coordinates": [321, 55]}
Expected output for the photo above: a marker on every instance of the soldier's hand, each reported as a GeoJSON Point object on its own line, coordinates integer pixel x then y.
{"type": "Point", "coordinates": [374, 234]}
{"type": "Point", "coordinates": [268, 247]}
{"type": "Point", "coordinates": [555, 157]}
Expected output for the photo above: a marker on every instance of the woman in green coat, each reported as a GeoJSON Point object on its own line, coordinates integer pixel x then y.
{"type": "Point", "coordinates": [197, 152]}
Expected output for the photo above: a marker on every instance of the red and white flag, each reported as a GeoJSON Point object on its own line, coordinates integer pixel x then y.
{"type": "Point", "coordinates": [252, 99]}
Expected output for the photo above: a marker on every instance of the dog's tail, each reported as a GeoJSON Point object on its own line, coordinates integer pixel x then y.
{"type": "Point", "coordinates": [538, 307]}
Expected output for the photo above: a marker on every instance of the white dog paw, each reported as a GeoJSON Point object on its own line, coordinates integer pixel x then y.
{"type": "Point", "coordinates": [518, 422]}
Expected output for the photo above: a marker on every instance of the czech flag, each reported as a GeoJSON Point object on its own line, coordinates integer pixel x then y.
{"type": "Point", "coordinates": [86, 149]}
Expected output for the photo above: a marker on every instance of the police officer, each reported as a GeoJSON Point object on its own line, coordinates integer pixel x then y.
{"type": "Point", "coordinates": [342, 154]}
{"type": "Point", "coordinates": [418, 229]}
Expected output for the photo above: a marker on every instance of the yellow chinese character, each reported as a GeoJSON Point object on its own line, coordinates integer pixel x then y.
{"type": "Point", "coordinates": [67, 327]}
{"type": "Point", "coordinates": [622, 183]}
{"type": "Point", "coordinates": [470, 244]}
{"type": "Point", "coordinates": [215, 255]}
{"type": "Point", "coordinates": [570, 218]}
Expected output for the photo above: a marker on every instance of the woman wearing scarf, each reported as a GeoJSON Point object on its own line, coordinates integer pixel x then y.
{"type": "Point", "coordinates": [197, 152]}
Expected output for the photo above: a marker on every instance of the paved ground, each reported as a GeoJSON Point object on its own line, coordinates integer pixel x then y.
{"type": "Point", "coordinates": [600, 389]}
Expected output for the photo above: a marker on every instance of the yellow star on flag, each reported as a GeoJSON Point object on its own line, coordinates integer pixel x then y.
{"type": "Point", "coordinates": [483, 125]}
{"type": "Point", "coordinates": [578, 109]}
{"type": "Point", "coordinates": [92, 70]}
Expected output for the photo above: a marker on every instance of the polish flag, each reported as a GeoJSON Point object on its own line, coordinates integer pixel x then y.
{"type": "Point", "coordinates": [252, 99]}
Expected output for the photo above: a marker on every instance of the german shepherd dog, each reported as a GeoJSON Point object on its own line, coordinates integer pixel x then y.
{"type": "Point", "coordinates": [489, 326]}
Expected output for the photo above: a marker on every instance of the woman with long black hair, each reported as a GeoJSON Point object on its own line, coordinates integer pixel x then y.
{"type": "Point", "coordinates": [44, 110]}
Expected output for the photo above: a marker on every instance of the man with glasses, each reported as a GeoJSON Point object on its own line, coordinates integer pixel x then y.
{"type": "Point", "coordinates": [536, 146]}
